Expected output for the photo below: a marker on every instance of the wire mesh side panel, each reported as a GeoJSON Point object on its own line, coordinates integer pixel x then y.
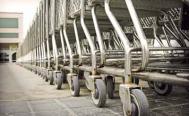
{"type": "Point", "coordinates": [46, 19]}
{"type": "Point", "coordinates": [74, 7]}
{"type": "Point", "coordinates": [57, 14]}
{"type": "Point", "coordinates": [51, 16]}
{"type": "Point", "coordinates": [175, 13]}
{"type": "Point", "coordinates": [60, 12]}
{"type": "Point", "coordinates": [49, 21]}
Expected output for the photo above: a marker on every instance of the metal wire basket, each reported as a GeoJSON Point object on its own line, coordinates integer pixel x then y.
{"type": "Point", "coordinates": [51, 17]}
{"type": "Point", "coordinates": [74, 6]}
{"type": "Point", "coordinates": [60, 12]}
{"type": "Point", "coordinates": [57, 13]}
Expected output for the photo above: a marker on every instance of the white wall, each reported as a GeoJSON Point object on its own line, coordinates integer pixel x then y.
{"type": "Point", "coordinates": [12, 30]}
{"type": "Point", "coordinates": [27, 7]}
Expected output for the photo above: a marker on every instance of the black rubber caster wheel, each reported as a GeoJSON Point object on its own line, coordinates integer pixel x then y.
{"type": "Point", "coordinates": [59, 81]}
{"type": "Point", "coordinates": [38, 72]}
{"type": "Point", "coordinates": [51, 79]}
{"type": "Point", "coordinates": [110, 87]}
{"type": "Point", "coordinates": [162, 88]}
{"type": "Point", "coordinates": [46, 79]}
{"type": "Point", "coordinates": [135, 80]}
{"type": "Point", "coordinates": [139, 103]}
{"type": "Point", "coordinates": [75, 87]}
{"type": "Point", "coordinates": [46, 76]}
{"type": "Point", "coordinates": [99, 95]}
{"type": "Point", "coordinates": [151, 84]}
{"type": "Point", "coordinates": [64, 77]}
{"type": "Point", "coordinates": [81, 74]}
{"type": "Point", "coordinates": [35, 71]}
{"type": "Point", "coordinates": [187, 89]}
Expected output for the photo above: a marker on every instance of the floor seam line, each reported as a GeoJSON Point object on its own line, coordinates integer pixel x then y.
{"type": "Point", "coordinates": [169, 106]}
{"type": "Point", "coordinates": [30, 108]}
{"type": "Point", "coordinates": [72, 113]}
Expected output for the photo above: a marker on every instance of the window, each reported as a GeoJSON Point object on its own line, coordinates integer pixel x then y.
{"type": "Point", "coordinates": [8, 22]}
{"type": "Point", "coordinates": [8, 35]}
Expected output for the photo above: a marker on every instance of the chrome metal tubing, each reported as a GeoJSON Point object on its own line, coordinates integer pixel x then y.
{"type": "Point", "coordinates": [164, 78]}
{"type": "Point", "coordinates": [123, 38]}
{"type": "Point", "coordinates": [70, 52]}
{"type": "Point", "coordinates": [62, 44]}
{"type": "Point", "coordinates": [139, 30]}
{"type": "Point", "coordinates": [37, 56]}
{"type": "Point", "coordinates": [69, 49]}
{"type": "Point", "coordinates": [98, 33]}
{"type": "Point", "coordinates": [43, 55]}
{"type": "Point", "coordinates": [55, 52]}
{"type": "Point", "coordinates": [77, 41]}
{"type": "Point", "coordinates": [48, 54]}
{"type": "Point", "coordinates": [156, 37]}
{"type": "Point", "coordinates": [40, 55]}
{"type": "Point", "coordinates": [88, 36]}
{"type": "Point", "coordinates": [148, 76]}
{"type": "Point", "coordinates": [167, 38]}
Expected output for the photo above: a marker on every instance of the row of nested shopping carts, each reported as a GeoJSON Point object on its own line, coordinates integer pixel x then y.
{"type": "Point", "coordinates": [99, 41]}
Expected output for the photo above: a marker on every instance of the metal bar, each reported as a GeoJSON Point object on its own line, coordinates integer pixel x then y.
{"type": "Point", "coordinates": [63, 44]}
{"type": "Point", "coordinates": [77, 41]}
{"type": "Point", "coordinates": [123, 38]}
{"type": "Point", "coordinates": [48, 53]}
{"type": "Point", "coordinates": [142, 37]}
{"type": "Point", "coordinates": [55, 51]}
{"type": "Point", "coordinates": [66, 37]}
{"type": "Point", "coordinates": [148, 76]}
{"type": "Point", "coordinates": [99, 37]}
{"type": "Point", "coordinates": [69, 49]}
{"type": "Point", "coordinates": [160, 77]}
{"type": "Point", "coordinates": [88, 36]}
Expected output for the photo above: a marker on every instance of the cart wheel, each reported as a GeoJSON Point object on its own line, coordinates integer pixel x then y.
{"type": "Point", "coordinates": [187, 89]}
{"type": "Point", "coordinates": [43, 76]}
{"type": "Point", "coordinates": [162, 88]}
{"type": "Point", "coordinates": [64, 77]}
{"type": "Point", "coordinates": [99, 95]}
{"type": "Point", "coordinates": [35, 71]}
{"type": "Point", "coordinates": [59, 80]}
{"type": "Point", "coordinates": [75, 88]}
{"type": "Point", "coordinates": [46, 79]}
{"type": "Point", "coordinates": [110, 87]}
{"type": "Point", "coordinates": [81, 74]}
{"type": "Point", "coordinates": [151, 84]}
{"type": "Point", "coordinates": [139, 102]}
{"type": "Point", "coordinates": [38, 72]}
{"type": "Point", "coordinates": [135, 80]}
{"type": "Point", "coordinates": [51, 78]}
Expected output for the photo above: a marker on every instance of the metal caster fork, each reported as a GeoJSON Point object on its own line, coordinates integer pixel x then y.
{"type": "Point", "coordinates": [134, 100]}
{"type": "Point", "coordinates": [58, 79]}
{"type": "Point", "coordinates": [73, 81]}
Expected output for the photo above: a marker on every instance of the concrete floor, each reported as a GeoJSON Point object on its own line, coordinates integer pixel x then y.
{"type": "Point", "coordinates": [22, 93]}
